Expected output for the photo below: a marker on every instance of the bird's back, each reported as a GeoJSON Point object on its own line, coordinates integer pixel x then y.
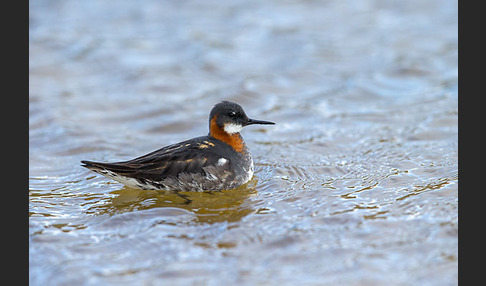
{"type": "Point", "coordinates": [202, 163]}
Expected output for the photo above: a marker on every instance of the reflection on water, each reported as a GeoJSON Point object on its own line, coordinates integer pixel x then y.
{"type": "Point", "coordinates": [357, 184]}
{"type": "Point", "coordinates": [208, 207]}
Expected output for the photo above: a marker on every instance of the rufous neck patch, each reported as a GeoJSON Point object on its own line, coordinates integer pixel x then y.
{"type": "Point", "coordinates": [234, 140]}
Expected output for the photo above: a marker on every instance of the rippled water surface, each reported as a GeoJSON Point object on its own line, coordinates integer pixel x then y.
{"type": "Point", "coordinates": [357, 184]}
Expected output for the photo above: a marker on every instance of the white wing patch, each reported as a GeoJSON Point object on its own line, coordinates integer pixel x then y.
{"type": "Point", "coordinates": [222, 161]}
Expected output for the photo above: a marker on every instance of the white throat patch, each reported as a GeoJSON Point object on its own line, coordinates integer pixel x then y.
{"type": "Point", "coordinates": [232, 128]}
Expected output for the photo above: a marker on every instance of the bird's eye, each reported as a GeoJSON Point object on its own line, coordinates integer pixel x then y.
{"type": "Point", "coordinates": [232, 114]}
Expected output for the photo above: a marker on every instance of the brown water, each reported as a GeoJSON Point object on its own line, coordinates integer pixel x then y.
{"type": "Point", "coordinates": [357, 184]}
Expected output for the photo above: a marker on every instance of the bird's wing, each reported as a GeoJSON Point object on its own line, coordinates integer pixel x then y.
{"type": "Point", "coordinates": [190, 156]}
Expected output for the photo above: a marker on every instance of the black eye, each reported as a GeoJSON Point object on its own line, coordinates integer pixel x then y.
{"type": "Point", "coordinates": [232, 114]}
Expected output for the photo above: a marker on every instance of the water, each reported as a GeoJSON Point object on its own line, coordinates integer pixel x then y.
{"type": "Point", "coordinates": [357, 184]}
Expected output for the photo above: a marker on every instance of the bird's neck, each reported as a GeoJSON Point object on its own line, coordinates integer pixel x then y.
{"type": "Point", "coordinates": [234, 139]}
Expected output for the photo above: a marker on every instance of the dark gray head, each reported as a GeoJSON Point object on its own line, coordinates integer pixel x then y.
{"type": "Point", "coordinates": [230, 117]}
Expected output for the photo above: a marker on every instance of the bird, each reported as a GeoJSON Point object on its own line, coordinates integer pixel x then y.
{"type": "Point", "coordinates": [215, 162]}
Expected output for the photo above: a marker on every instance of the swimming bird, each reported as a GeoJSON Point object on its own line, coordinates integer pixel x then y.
{"type": "Point", "coordinates": [215, 162]}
